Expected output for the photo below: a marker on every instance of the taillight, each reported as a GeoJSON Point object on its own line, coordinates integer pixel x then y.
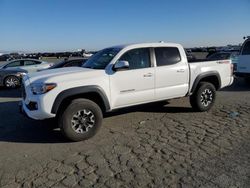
{"type": "Point", "coordinates": [232, 69]}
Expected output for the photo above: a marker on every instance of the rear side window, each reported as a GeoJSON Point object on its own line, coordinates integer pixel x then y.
{"type": "Point", "coordinates": [246, 48]}
{"type": "Point", "coordinates": [29, 62]}
{"type": "Point", "coordinates": [167, 56]}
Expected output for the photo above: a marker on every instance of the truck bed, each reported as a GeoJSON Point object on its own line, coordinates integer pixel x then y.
{"type": "Point", "coordinates": [201, 67]}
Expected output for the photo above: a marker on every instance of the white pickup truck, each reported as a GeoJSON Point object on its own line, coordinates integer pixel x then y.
{"type": "Point", "coordinates": [118, 77]}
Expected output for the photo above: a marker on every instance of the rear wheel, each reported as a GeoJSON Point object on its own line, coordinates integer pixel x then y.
{"type": "Point", "coordinates": [80, 120]}
{"type": "Point", "coordinates": [11, 82]}
{"type": "Point", "coordinates": [203, 98]}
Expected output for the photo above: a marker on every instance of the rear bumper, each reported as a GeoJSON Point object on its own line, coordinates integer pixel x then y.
{"type": "Point", "coordinates": [242, 74]}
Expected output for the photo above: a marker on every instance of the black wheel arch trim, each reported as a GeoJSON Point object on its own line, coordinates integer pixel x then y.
{"type": "Point", "coordinates": [205, 75]}
{"type": "Point", "coordinates": [78, 91]}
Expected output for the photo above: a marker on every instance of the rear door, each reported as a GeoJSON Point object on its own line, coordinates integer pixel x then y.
{"type": "Point", "coordinates": [31, 66]}
{"type": "Point", "coordinates": [135, 85]}
{"type": "Point", "coordinates": [171, 73]}
{"type": "Point", "coordinates": [244, 59]}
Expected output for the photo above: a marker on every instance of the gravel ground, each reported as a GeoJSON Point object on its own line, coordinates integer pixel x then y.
{"type": "Point", "coordinates": [146, 146]}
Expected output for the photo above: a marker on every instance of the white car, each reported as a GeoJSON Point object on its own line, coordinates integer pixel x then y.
{"type": "Point", "coordinates": [243, 66]}
{"type": "Point", "coordinates": [119, 77]}
{"type": "Point", "coordinates": [29, 65]}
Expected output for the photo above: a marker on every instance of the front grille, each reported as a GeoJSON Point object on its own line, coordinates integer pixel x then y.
{"type": "Point", "coordinates": [23, 91]}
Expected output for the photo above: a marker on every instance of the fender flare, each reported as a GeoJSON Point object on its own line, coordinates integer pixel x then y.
{"type": "Point", "coordinates": [78, 91]}
{"type": "Point", "coordinates": [204, 75]}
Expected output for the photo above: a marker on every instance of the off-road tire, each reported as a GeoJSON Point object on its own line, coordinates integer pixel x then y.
{"type": "Point", "coordinates": [76, 109]}
{"type": "Point", "coordinates": [204, 97]}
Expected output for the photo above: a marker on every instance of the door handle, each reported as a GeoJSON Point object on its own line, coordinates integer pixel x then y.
{"type": "Point", "coordinates": [181, 70]}
{"type": "Point", "coordinates": [148, 75]}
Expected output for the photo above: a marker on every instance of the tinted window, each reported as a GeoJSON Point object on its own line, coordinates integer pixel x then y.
{"type": "Point", "coordinates": [74, 64]}
{"type": "Point", "coordinates": [246, 48]}
{"type": "Point", "coordinates": [167, 56]}
{"type": "Point", "coordinates": [29, 62]}
{"type": "Point", "coordinates": [137, 58]}
{"type": "Point", "coordinates": [14, 64]}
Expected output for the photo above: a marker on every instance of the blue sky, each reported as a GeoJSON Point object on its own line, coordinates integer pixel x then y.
{"type": "Point", "coordinates": [57, 25]}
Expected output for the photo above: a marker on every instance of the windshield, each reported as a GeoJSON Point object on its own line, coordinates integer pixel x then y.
{"type": "Point", "coordinates": [101, 59]}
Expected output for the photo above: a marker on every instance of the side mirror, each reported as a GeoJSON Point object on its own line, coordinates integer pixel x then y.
{"type": "Point", "coordinates": [121, 65]}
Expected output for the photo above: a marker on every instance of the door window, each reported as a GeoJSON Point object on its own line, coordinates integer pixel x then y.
{"type": "Point", "coordinates": [29, 62]}
{"type": "Point", "coordinates": [167, 56]}
{"type": "Point", "coordinates": [14, 64]}
{"type": "Point", "coordinates": [137, 58]}
{"type": "Point", "coordinates": [246, 48]}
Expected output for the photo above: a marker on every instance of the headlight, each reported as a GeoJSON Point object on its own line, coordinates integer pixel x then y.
{"type": "Point", "coordinates": [41, 88]}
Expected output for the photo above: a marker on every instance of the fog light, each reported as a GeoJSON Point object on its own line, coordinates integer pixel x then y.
{"type": "Point", "coordinates": [32, 106]}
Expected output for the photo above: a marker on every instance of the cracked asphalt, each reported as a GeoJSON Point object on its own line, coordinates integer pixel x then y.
{"type": "Point", "coordinates": [153, 145]}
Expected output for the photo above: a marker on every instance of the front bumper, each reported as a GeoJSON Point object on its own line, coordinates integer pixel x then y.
{"type": "Point", "coordinates": [33, 114]}
{"type": "Point", "coordinates": [21, 110]}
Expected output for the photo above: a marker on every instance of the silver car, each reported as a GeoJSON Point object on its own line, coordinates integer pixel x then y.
{"type": "Point", "coordinates": [29, 65]}
{"type": "Point", "coordinates": [11, 78]}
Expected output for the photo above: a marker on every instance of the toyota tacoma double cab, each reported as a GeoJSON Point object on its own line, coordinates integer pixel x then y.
{"type": "Point", "coordinates": [118, 77]}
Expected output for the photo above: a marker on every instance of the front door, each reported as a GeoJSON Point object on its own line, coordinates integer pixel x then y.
{"type": "Point", "coordinates": [30, 66]}
{"type": "Point", "coordinates": [14, 65]}
{"type": "Point", "coordinates": [136, 84]}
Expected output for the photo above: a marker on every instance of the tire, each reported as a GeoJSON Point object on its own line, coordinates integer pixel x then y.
{"type": "Point", "coordinates": [80, 120]}
{"type": "Point", "coordinates": [204, 97]}
{"type": "Point", "coordinates": [11, 82]}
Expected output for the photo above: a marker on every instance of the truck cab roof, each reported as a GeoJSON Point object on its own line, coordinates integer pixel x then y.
{"type": "Point", "coordinates": [145, 45]}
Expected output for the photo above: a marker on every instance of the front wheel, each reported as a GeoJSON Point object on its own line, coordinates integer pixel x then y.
{"type": "Point", "coordinates": [203, 98]}
{"type": "Point", "coordinates": [11, 82]}
{"type": "Point", "coordinates": [80, 120]}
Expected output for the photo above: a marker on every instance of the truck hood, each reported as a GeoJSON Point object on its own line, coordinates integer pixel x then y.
{"type": "Point", "coordinates": [63, 74]}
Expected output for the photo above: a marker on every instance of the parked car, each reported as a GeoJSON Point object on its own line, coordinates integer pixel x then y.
{"type": "Point", "coordinates": [119, 77]}
{"type": "Point", "coordinates": [69, 63]}
{"type": "Point", "coordinates": [4, 57]}
{"type": "Point", "coordinates": [29, 65]}
{"type": "Point", "coordinates": [243, 67]}
{"type": "Point", "coordinates": [233, 56]}
{"type": "Point", "coordinates": [11, 78]}
{"type": "Point", "coordinates": [190, 55]}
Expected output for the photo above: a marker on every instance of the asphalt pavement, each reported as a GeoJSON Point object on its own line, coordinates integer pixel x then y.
{"type": "Point", "coordinates": [156, 145]}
